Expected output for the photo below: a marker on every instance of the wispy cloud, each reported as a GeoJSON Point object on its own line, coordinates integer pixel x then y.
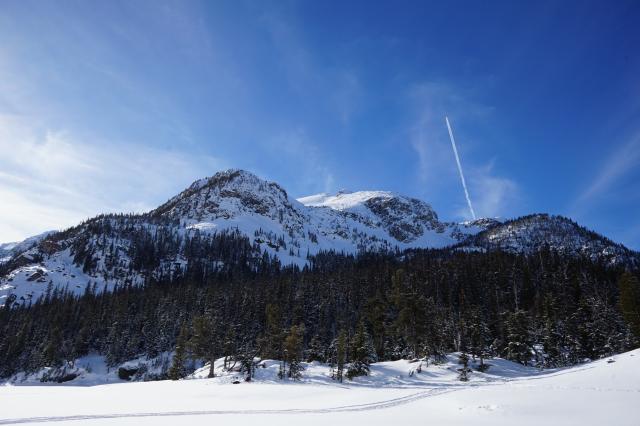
{"type": "Point", "coordinates": [49, 180]}
{"type": "Point", "coordinates": [347, 95]}
{"type": "Point", "coordinates": [307, 169]}
{"type": "Point", "coordinates": [624, 160]}
{"type": "Point", "coordinates": [491, 194]}
{"type": "Point", "coordinates": [99, 131]}
{"type": "Point", "coordinates": [495, 195]}
{"type": "Point", "coordinates": [337, 86]}
{"type": "Point", "coordinates": [431, 102]}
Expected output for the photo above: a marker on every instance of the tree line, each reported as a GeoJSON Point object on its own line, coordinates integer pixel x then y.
{"type": "Point", "coordinates": [545, 310]}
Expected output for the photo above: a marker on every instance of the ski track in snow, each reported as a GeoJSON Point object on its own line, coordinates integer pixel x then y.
{"type": "Point", "coordinates": [616, 377]}
{"type": "Point", "coordinates": [341, 409]}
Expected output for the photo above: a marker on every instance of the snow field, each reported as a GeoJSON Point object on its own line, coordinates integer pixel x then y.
{"type": "Point", "coordinates": [597, 393]}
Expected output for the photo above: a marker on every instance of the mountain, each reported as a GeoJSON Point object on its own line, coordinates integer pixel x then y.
{"type": "Point", "coordinates": [235, 218]}
{"type": "Point", "coordinates": [8, 250]}
{"type": "Point", "coordinates": [529, 234]}
{"type": "Point", "coordinates": [347, 222]}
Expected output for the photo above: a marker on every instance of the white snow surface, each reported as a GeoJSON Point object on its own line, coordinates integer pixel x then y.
{"type": "Point", "coordinates": [7, 250]}
{"type": "Point", "coordinates": [286, 228]}
{"type": "Point", "coordinates": [345, 223]}
{"type": "Point", "coordinates": [344, 200]}
{"type": "Point", "coordinates": [602, 392]}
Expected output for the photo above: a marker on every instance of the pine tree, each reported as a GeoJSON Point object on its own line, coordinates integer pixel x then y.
{"type": "Point", "coordinates": [429, 309]}
{"type": "Point", "coordinates": [52, 352]}
{"type": "Point", "coordinates": [271, 341]}
{"type": "Point", "coordinates": [479, 340]}
{"type": "Point", "coordinates": [316, 350]}
{"type": "Point", "coordinates": [362, 353]}
{"type": "Point", "coordinates": [340, 356]}
{"type": "Point", "coordinates": [202, 342]}
{"type": "Point", "coordinates": [410, 324]}
{"type": "Point", "coordinates": [282, 370]}
{"type": "Point", "coordinates": [518, 342]}
{"type": "Point", "coordinates": [247, 363]}
{"type": "Point", "coordinates": [178, 369]}
{"type": "Point", "coordinates": [293, 351]}
{"type": "Point", "coordinates": [463, 359]}
{"type": "Point", "coordinates": [629, 287]}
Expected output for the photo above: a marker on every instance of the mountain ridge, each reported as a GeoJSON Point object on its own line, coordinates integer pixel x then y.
{"type": "Point", "coordinates": [110, 250]}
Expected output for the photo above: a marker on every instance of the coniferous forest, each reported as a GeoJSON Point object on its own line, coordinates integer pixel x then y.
{"type": "Point", "coordinates": [544, 310]}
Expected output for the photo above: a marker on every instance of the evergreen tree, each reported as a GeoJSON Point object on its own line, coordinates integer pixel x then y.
{"type": "Point", "coordinates": [518, 343]}
{"type": "Point", "coordinates": [629, 288]}
{"type": "Point", "coordinates": [293, 352]}
{"type": "Point", "coordinates": [178, 369]}
{"type": "Point", "coordinates": [52, 353]}
{"type": "Point", "coordinates": [340, 355]}
{"type": "Point", "coordinates": [271, 341]}
{"type": "Point", "coordinates": [443, 301]}
{"type": "Point", "coordinates": [362, 353]}
{"type": "Point", "coordinates": [479, 339]}
{"type": "Point", "coordinates": [247, 362]}
{"type": "Point", "coordinates": [316, 350]}
{"type": "Point", "coordinates": [202, 342]}
{"type": "Point", "coordinates": [463, 359]}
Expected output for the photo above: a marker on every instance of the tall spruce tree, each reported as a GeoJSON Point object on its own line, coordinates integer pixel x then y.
{"type": "Point", "coordinates": [293, 352]}
{"type": "Point", "coordinates": [202, 343]}
{"type": "Point", "coordinates": [518, 338]}
{"type": "Point", "coordinates": [178, 368]}
{"type": "Point", "coordinates": [362, 353]}
{"type": "Point", "coordinates": [340, 356]}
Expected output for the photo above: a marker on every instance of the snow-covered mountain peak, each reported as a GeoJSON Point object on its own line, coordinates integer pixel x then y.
{"type": "Point", "coordinates": [235, 180]}
{"type": "Point", "coordinates": [225, 195]}
{"type": "Point", "coordinates": [531, 233]}
{"type": "Point", "coordinates": [405, 219]}
{"type": "Point", "coordinates": [113, 249]}
{"type": "Point", "coordinates": [343, 199]}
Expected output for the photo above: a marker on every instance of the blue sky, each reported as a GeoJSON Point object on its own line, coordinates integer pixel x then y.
{"type": "Point", "coordinates": [117, 106]}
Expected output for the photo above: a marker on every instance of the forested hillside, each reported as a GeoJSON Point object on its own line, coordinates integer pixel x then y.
{"type": "Point", "coordinates": [543, 309]}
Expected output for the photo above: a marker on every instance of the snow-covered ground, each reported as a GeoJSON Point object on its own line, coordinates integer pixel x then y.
{"type": "Point", "coordinates": [602, 392]}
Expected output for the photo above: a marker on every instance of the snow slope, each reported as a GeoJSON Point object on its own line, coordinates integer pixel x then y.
{"type": "Point", "coordinates": [231, 201]}
{"type": "Point", "coordinates": [99, 251]}
{"type": "Point", "coordinates": [347, 222]}
{"type": "Point", "coordinates": [529, 234]}
{"type": "Point", "coordinates": [7, 250]}
{"type": "Point", "coordinates": [602, 392]}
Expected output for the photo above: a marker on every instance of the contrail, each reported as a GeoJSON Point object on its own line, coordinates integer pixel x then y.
{"type": "Point", "coordinates": [464, 183]}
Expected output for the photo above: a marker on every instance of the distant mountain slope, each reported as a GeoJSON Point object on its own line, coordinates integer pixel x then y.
{"type": "Point", "coordinates": [529, 234]}
{"type": "Point", "coordinates": [235, 218]}
{"type": "Point", "coordinates": [7, 250]}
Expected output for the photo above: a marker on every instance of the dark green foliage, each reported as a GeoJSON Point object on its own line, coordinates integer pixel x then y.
{"type": "Point", "coordinates": [519, 347]}
{"type": "Point", "coordinates": [293, 352]}
{"type": "Point", "coordinates": [557, 309]}
{"type": "Point", "coordinates": [463, 359]}
{"type": "Point", "coordinates": [629, 287]}
{"type": "Point", "coordinates": [317, 350]}
{"type": "Point", "coordinates": [272, 338]}
{"type": "Point", "coordinates": [479, 338]}
{"type": "Point", "coordinates": [247, 362]}
{"type": "Point", "coordinates": [203, 341]}
{"type": "Point", "coordinates": [339, 356]}
{"type": "Point", "coordinates": [362, 353]}
{"type": "Point", "coordinates": [178, 368]}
